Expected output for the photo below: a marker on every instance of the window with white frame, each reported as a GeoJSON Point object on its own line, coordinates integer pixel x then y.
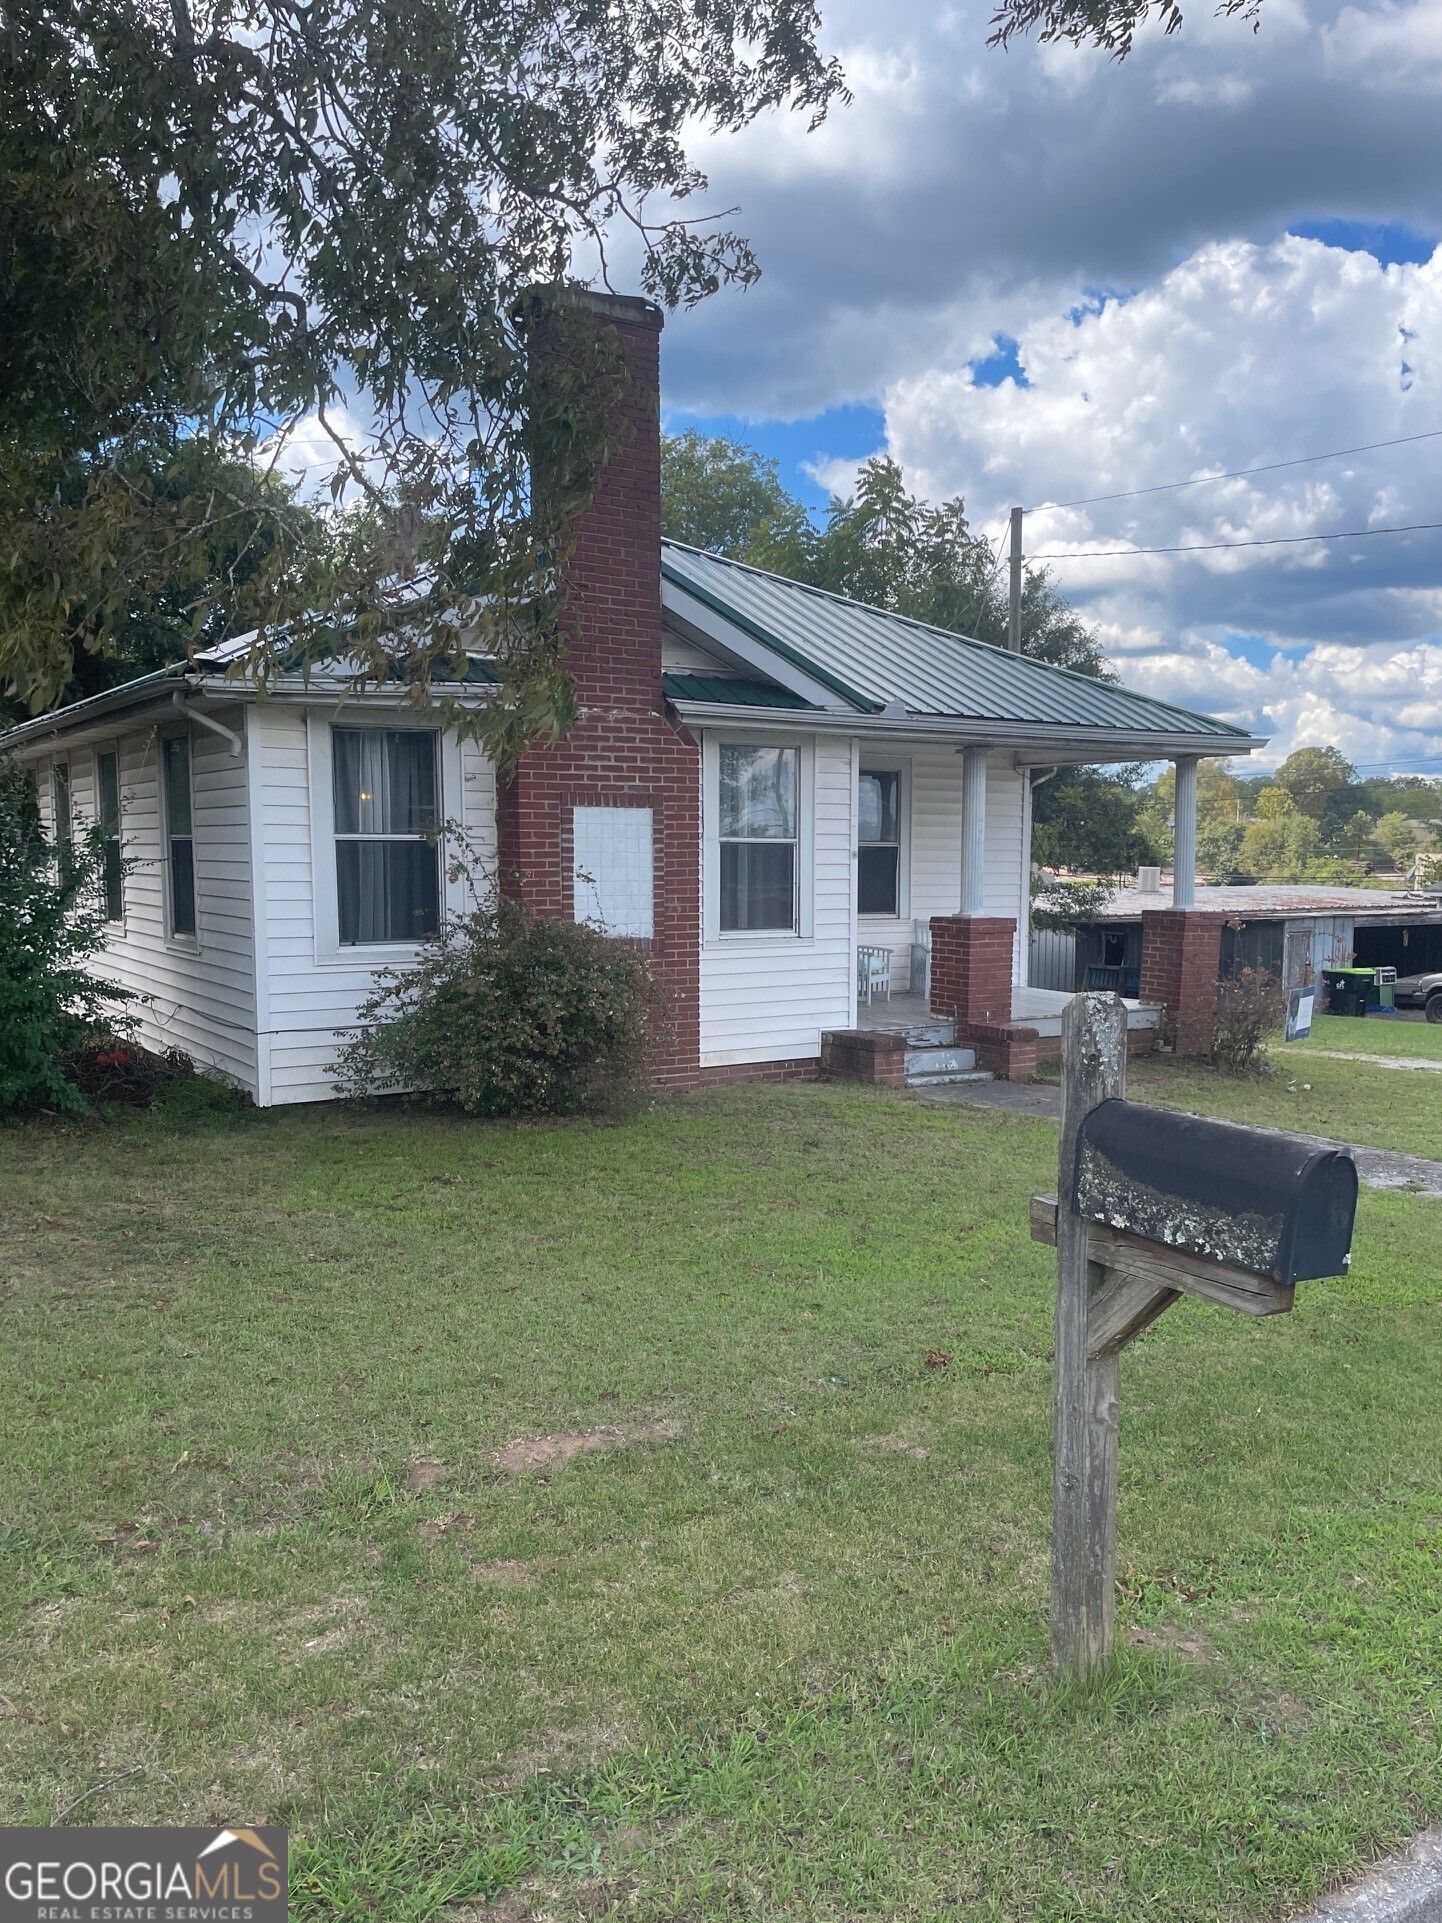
{"type": "Point", "coordinates": [63, 806]}
{"type": "Point", "coordinates": [386, 785]}
{"type": "Point", "coordinates": [112, 873]}
{"type": "Point", "coordinates": [179, 838]}
{"type": "Point", "coordinates": [878, 861]}
{"type": "Point", "coordinates": [757, 821]}
{"type": "Point", "coordinates": [613, 870]}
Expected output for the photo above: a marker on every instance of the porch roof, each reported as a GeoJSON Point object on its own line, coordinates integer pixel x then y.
{"type": "Point", "coordinates": [888, 666]}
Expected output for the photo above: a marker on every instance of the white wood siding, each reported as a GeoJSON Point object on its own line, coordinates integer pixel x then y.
{"type": "Point", "coordinates": [310, 991]}
{"type": "Point", "coordinates": [935, 850]}
{"type": "Point", "coordinates": [199, 991]}
{"type": "Point", "coordinates": [766, 998]}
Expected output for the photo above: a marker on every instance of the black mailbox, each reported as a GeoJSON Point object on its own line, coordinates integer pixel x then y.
{"type": "Point", "coordinates": [1266, 1203]}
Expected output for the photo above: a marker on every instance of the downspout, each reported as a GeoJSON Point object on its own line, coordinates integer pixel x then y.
{"type": "Point", "coordinates": [191, 713]}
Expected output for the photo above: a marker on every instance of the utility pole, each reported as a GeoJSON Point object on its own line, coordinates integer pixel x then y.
{"type": "Point", "coordinates": [1013, 632]}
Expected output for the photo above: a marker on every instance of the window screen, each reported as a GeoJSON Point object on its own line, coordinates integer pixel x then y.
{"type": "Point", "coordinates": [107, 776]}
{"type": "Point", "coordinates": [758, 837]}
{"type": "Point", "coordinates": [387, 812]}
{"type": "Point", "coordinates": [878, 880]}
{"type": "Point", "coordinates": [180, 845]}
{"type": "Point", "coordinates": [614, 870]}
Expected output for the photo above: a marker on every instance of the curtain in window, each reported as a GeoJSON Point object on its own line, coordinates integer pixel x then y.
{"type": "Point", "coordinates": [176, 751]}
{"type": "Point", "coordinates": [386, 813]}
{"type": "Point", "coordinates": [758, 837]}
{"type": "Point", "coordinates": [879, 838]}
{"type": "Point", "coordinates": [107, 770]}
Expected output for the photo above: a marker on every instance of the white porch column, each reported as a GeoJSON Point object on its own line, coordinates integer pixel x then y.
{"type": "Point", "coordinates": [1184, 835]}
{"type": "Point", "coordinates": [973, 829]}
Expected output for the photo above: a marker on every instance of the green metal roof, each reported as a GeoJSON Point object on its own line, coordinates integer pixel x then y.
{"type": "Point", "coordinates": [729, 690]}
{"type": "Point", "coordinates": [880, 658]}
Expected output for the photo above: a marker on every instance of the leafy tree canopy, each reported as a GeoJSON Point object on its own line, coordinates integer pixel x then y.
{"type": "Point", "coordinates": [219, 219]}
{"type": "Point", "coordinates": [1312, 776]}
{"type": "Point", "coordinates": [1094, 821]}
{"type": "Point", "coordinates": [881, 545]}
{"type": "Point", "coordinates": [1112, 24]}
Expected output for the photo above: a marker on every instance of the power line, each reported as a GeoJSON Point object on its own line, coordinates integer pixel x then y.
{"type": "Point", "coordinates": [1241, 473]}
{"type": "Point", "coordinates": [1213, 547]}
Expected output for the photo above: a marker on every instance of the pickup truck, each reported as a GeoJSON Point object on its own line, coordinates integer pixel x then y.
{"type": "Point", "coordinates": [1421, 991]}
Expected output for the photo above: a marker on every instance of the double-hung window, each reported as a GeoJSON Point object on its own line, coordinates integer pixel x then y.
{"type": "Point", "coordinates": [387, 814]}
{"type": "Point", "coordinates": [878, 877]}
{"type": "Point", "coordinates": [758, 798]}
{"type": "Point", "coordinates": [64, 813]}
{"type": "Point", "coordinates": [179, 839]}
{"type": "Point", "coordinates": [112, 884]}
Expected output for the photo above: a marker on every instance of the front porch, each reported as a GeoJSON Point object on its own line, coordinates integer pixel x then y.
{"type": "Point", "coordinates": [1039, 1008]}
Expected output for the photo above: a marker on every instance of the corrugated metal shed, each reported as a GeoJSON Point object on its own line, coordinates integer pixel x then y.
{"type": "Point", "coordinates": [729, 690]}
{"type": "Point", "coordinates": [887, 658]}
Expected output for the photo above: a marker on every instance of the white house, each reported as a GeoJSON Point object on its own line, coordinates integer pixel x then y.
{"type": "Point", "coordinates": [762, 780]}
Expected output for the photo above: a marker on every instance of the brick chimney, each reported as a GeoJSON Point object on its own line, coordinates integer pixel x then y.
{"type": "Point", "coordinates": [620, 752]}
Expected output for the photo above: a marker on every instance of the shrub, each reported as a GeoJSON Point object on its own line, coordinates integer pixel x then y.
{"type": "Point", "coordinates": [510, 1013]}
{"type": "Point", "coordinates": [1250, 1007]}
{"type": "Point", "coordinates": [109, 1068]}
{"type": "Point", "coordinates": [51, 922]}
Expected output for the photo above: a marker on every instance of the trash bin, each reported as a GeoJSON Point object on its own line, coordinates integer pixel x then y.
{"type": "Point", "coordinates": [1384, 983]}
{"type": "Point", "coordinates": [1348, 990]}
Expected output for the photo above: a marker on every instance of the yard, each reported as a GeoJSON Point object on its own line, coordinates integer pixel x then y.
{"type": "Point", "coordinates": [654, 1519]}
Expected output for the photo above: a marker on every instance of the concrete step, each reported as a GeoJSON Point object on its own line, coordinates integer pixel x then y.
{"type": "Point", "coordinates": [925, 1067]}
{"type": "Point", "coordinates": [929, 1060]}
{"type": "Point", "coordinates": [957, 1075]}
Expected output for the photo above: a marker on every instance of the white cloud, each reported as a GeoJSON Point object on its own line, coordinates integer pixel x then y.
{"type": "Point", "coordinates": [1121, 222]}
{"type": "Point", "coordinates": [1392, 48]}
{"type": "Point", "coordinates": [1224, 90]}
{"type": "Point", "coordinates": [307, 455]}
{"type": "Point", "coordinates": [1240, 356]}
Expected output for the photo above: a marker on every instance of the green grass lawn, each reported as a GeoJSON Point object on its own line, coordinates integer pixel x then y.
{"type": "Point", "coordinates": [1420, 1040]}
{"type": "Point", "coordinates": [1353, 1101]}
{"type": "Point", "coordinates": [753, 1625]}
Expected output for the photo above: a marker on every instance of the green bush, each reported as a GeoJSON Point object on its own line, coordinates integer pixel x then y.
{"type": "Point", "coordinates": [51, 922]}
{"type": "Point", "coordinates": [510, 1013]}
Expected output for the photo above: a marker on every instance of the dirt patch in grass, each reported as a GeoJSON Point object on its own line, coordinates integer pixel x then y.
{"type": "Point", "coordinates": [437, 1527]}
{"type": "Point", "coordinates": [506, 1573]}
{"type": "Point", "coordinates": [900, 1442]}
{"type": "Point", "coordinates": [334, 1623]}
{"type": "Point", "coordinates": [423, 1476]}
{"type": "Point", "coordinates": [563, 1750]}
{"type": "Point", "coordinates": [544, 1452]}
{"type": "Point", "coordinates": [1180, 1642]}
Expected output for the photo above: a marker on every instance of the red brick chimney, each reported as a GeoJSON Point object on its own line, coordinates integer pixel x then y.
{"type": "Point", "coordinates": [620, 752]}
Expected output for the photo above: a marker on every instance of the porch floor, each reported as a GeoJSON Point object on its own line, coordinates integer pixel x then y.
{"type": "Point", "coordinates": [1038, 1008]}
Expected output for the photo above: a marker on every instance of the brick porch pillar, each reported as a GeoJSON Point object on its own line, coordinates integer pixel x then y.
{"type": "Point", "coordinates": [1181, 962]}
{"type": "Point", "coordinates": [971, 962]}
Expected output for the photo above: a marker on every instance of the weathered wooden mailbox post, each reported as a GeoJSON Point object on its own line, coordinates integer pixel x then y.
{"type": "Point", "coordinates": [1152, 1205]}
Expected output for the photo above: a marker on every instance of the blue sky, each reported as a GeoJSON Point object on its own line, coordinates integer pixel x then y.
{"type": "Point", "coordinates": [1041, 275]}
